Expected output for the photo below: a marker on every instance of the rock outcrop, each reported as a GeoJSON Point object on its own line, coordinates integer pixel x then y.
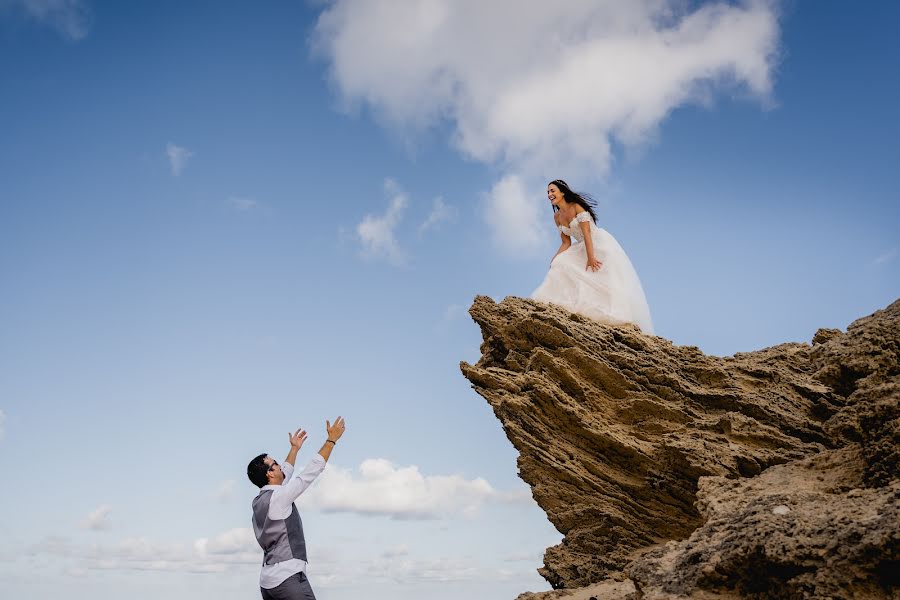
{"type": "Point", "coordinates": [676, 474]}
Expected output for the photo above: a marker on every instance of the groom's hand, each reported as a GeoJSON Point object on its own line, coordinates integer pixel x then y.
{"type": "Point", "coordinates": [335, 431]}
{"type": "Point", "coordinates": [297, 438]}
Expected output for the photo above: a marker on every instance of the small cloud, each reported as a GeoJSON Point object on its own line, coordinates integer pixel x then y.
{"type": "Point", "coordinates": [453, 311]}
{"type": "Point", "coordinates": [513, 217]}
{"type": "Point", "coordinates": [377, 233]}
{"type": "Point", "coordinates": [99, 519]}
{"type": "Point", "coordinates": [440, 213]}
{"type": "Point", "coordinates": [399, 550]}
{"type": "Point", "coordinates": [383, 489]}
{"type": "Point", "coordinates": [450, 314]}
{"type": "Point", "coordinates": [234, 542]}
{"type": "Point", "coordinates": [403, 570]}
{"type": "Point", "coordinates": [178, 158]}
{"type": "Point", "coordinates": [522, 556]}
{"type": "Point", "coordinates": [70, 18]}
{"type": "Point", "coordinates": [886, 257]}
{"type": "Point", "coordinates": [233, 549]}
{"type": "Point", "coordinates": [242, 204]}
{"type": "Point", "coordinates": [225, 490]}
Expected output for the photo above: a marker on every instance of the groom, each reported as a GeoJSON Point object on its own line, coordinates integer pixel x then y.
{"type": "Point", "coordinates": [276, 521]}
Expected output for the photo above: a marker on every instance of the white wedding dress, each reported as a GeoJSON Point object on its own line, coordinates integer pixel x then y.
{"type": "Point", "coordinates": [612, 294]}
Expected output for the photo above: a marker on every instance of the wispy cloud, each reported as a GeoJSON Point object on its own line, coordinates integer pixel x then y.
{"type": "Point", "coordinates": [234, 542]}
{"type": "Point", "coordinates": [400, 569]}
{"type": "Point", "coordinates": [381, 488]}
{"type": "Point", "coordinates": [70, 18]}
{"type": "Point", "coordinates": [440, 213]}
{"type": "Point", "coordinates": [886, 257]}
{"type": "Point", "coordinates": [377, 233]}
{"type": "Point", "coordinates": [395, 551]}
{"type": "Point", "coordinates": [98, 520]}
{"type": "Point", "coordinates": [603, 72]}
{"type": "Point", "coordinates": [237, 549]}
{"type": "Point", "coordinates": [178, 158]}
{"type": "Point", "coordinates": [242, 204]}
{"type": "Point", "coordinates": [523, 556]}
{"type": "Point", "coordinates": [225, 490]}
{"type": "Point", "coordinates": [230, 549]}
{"type": "Point", "coordinates": [451, 313]}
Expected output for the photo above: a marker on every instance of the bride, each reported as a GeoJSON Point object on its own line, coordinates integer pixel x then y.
{"type": "Point", "coordinates": [593, 276]}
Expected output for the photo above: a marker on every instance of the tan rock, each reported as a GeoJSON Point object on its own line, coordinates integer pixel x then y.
{"type": "Point", "coordinates": [660, 462]}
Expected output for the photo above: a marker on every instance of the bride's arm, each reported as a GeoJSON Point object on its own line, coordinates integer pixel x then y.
{"type": "Point", "coordinates": [566, 242]}
{"type": "Point", "coordinates": [592, 263]}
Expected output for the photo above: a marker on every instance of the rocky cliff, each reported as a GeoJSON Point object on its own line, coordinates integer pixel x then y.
{"type": "Point", "coordinates": [676, 474]}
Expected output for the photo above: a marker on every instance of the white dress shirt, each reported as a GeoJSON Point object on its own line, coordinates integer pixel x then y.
{"type": "Point", "coordinates": [283, 497]}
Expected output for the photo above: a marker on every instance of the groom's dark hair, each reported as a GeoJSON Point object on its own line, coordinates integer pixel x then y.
{"type": "Point", "coordinates": [581, 199]}
{"type": "Point", "coordinates": [258, 470]}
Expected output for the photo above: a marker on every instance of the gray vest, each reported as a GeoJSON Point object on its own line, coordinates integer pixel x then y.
{"type": "Point", "coordinates": [280, 539]}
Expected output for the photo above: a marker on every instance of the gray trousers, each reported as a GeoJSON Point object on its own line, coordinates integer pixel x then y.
{"type": "Point", "coordinates": [295, 587]}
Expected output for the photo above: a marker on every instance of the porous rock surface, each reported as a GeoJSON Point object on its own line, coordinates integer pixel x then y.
{"type": "Point", "coordinates": [674, 474]}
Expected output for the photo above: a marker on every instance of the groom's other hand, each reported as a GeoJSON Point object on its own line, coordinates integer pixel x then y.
{"type": "Point", "coordinates": [334, 434]}
{"type": "Point", "coordinates": [335, 431]}
{"type": "Point", "coordinates": [297, 438]}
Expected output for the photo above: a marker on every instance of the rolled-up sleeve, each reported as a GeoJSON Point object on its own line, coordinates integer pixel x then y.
{"type": "Point", "coordinates": [283, 497]}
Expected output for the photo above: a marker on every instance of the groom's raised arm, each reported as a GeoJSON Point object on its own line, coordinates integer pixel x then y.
{"type": "Point", "coordinates": [296, 439]}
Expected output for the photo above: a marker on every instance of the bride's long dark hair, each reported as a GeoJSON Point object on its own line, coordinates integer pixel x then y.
{"type": "Point", "coordinates": [581, 199]}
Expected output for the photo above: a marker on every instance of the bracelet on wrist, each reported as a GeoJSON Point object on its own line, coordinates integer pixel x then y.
{"type": "Point", "coordinates": [332, 441]}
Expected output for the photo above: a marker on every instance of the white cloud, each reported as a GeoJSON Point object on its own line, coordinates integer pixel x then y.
{"type": "Point", "coordinates": [440, 213]}
{"type": "Point", "coordinates": [540, 87]}
{"type": "Point", "coordinates": [225, 490]}
{"type": "Point", "coordinates": [71, 18]}
{"type": "Point", "coordinates": [410, 571]}
{"type": "Point", "coordinates": [514, 216]}
{"type": "Point", "coordinates": [451, 313]}
{"type": "Point", "coordinates": [882, 259]}
{"type": "Point", "coordinates": [98, 520]}
{"type": "Point", "coordinates": [377, 234]}
{"type": "Point", "coordinates": [236, 548]}
{"type": "Point", "coordinates": [381, 488]}
{"type": "Point", "coordinates": [534, 557]}
{"type": "Point", "coordinates": [238, 542]}
{"type": "Point", "coordinates": [178, 158]}
{"type": "Point", "coordinates": [242, 204]}
{"type": "Point", "coordinates": [394, 552]}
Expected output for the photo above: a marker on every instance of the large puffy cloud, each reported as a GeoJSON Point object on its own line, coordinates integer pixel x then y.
{"type": "Point", "coordinates": [382, 488]}
{"type": "Point", "coordinates": [544, 88]}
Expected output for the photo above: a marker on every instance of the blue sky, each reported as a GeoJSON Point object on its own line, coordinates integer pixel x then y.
{"type": "Point", "coordinates": [186, 274]}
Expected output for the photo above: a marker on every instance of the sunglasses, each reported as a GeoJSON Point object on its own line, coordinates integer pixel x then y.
{"type": "Point", "coordinates": [273, 465]}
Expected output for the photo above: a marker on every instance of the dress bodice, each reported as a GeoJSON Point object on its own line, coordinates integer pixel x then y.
{"type": "Point", "coordinates": [573, 230]}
